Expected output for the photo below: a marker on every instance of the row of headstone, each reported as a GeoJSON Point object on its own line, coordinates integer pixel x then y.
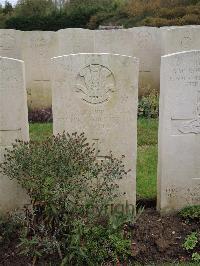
{"type": "Point", "coordinates": [36, 48]}
{"type": "Point", "coordinates": [97, 94]}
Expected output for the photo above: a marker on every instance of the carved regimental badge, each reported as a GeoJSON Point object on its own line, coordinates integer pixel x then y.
{"type": "Point", "coordinates": [95, 83]}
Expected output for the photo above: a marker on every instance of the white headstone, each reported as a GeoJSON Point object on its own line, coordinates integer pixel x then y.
{"type": "Point", "coordinates": [97, 94]}
{"type": "Point", "coordinates": [10, 43]}
{"type": "Point", "coordinates": [37, 50]}
{"type": "Point", "coordinates": [73, 41]}
{"type": "Point", "coordinates": [179, 132]}
{"type": "Point", "coordinates": [179, 39]}
{"type": "Point", "coordinates": [13, 124]}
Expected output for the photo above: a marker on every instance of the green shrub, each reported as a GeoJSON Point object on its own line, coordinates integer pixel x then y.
{"type": "Point", "coordinates": [28, 8]}
{"type": "Point", "coordinates": [44, 15]}
{"type": "Point", "coordinates": [70, 191]}
{"type": "Point", "coordinates": [161, 22]}
{"type": "Point", "coordinates": [76, 14]}
{"type": "Point", "coordinates": [172, 13]}
{"type": "Point", "coordinates": [149, 105]}
{"type": "Point", "coordinates": [196, 257]}
{"type": "Point", "coordinates": [99, 19]}
{"type": "Point", "coordinates": [193, 9]}
{"type": "Point", "coordinates": [191, 243]}
{"type": "Point", "coordinates": [190, 19]}
{"type": "Point", "coordinates": [191, 212]}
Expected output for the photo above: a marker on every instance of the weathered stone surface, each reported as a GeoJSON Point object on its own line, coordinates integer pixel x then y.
{"type": "Point", "coordinates": [10, 43]}
{"type": "Point", "coordinates": [13, 124]}
{"type": "Point", "coordinates": [38, 47]}
{"type": "Point", "coordinates": [178, 39]}
{"type": "Point", "coordinates": [97, 94]}
{"type": "Point", "coordinates": [140, 42]}
{"type": "Point", "coordinates": [73, 41]}
{"type": "Point", "coordinates": [147, 47]}
{"type": "Point", "coordinates": [179, 131]}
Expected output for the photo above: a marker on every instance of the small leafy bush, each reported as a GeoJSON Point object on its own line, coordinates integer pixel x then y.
{"type": "Point", "coordinates": [192, 242]}
{"type": "Point", "coordinates": [148, 106]}
{"type": "Point", "coordinates": [191, 212]}
{"type": "Point", "coordinates": [196, 257]}
{"type": "Point", "coordinates": [70, 191]}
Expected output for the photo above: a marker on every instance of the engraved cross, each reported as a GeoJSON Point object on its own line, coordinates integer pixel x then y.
{"type": "Point", "coordinates": [97, 151]}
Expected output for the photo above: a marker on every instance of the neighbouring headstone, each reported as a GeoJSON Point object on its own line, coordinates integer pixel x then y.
{"type": "Point", "coordinates": [179, 132]}
{"type": "Point", "coordinates": [10, 43]}
{"type": "Point", "coordinates": [13, 124]}
{"type": "Point", "coordinates": [37, 50]}
{"type": "Point", "coordinates": [97, 94]}
{"type": "Point", "coordinates": [73, 41]}
{"type": "Point", "coordinates": [140, 42]}
{"type": "Point", "coordinates": [178, 39]}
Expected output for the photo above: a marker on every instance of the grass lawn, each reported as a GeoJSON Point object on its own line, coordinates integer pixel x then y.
{"type": "Point", "coordinates": [147, 153]}
{"type": "Point", "coordinates": [40, 131]}
{"type": "Point", "coordinates": [147, 158]}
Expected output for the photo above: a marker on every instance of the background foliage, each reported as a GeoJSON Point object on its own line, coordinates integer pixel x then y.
{"type": "Point", "coordinates": [58, 14]}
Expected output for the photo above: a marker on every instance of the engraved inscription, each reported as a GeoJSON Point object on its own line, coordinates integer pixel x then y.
{"type": "Point", "coordinates": [194, 125]}
{"type": "Point", "coordinates": [10, 79]}
{"type": "Point", "coordinates": [190, 78]}
{"type": "Point", "coordinates": [97, 119]}
{"type": "Point", "coordinates": [186, 40]}
{"type": "Point", "coordinates": [144, 38]}
{"type": "Point", "coordinates": [96, 84]}
{"type": "Point", "coordinates": [40, 45]}
{"type": "Point", "coordinates": [188, 75]}
{"type": "Point", "coordinates": [190, 194]}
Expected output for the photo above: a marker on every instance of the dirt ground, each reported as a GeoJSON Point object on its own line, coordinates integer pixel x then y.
{"type": "Point", "coordinates": [159, 239]}
{"type": "Point", "coordinates": [155, 239]}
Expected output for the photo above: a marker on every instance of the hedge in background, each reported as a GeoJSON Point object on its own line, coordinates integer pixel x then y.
{"type": "Point", "coordinates": [45, 15]}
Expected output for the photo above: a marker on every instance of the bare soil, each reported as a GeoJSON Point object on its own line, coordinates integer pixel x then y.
{"type": "Point", "coordinates": [159, 239]}
{"type": "Point", "coordinates": [155, 239]}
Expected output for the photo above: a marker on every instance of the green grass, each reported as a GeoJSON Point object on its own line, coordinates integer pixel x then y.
{"type": "Point", "coordinates": [147, 153]}
{"type": "Point", "coordinates": [147, 158]}
{"type": "Point", "coordinates": [147, 132]}
{"type": "Point", "coordinates": [146, 171]}
{"type": "Point", "coordinates": [39, 131]}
